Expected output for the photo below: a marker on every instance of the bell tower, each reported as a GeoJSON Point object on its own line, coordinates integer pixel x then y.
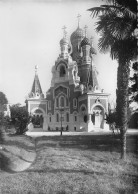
{"type": "Point", "coordinates": [64, 45]}
{"type": "Point", "coordinates": [86, 59]}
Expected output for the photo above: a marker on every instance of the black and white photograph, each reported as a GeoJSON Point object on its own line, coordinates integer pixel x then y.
{"type": "Point", "coordinates": [68, 97]}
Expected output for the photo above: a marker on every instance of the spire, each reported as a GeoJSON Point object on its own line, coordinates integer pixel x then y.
{"type": "Point", "coordinates": [36, 88]}
{"type": "Point", "coordinates": [78, 16]}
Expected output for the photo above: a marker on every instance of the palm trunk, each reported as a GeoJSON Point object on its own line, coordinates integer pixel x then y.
{"type": "Point", "coordinates": [123, 145]}
{"type": "Point", "coordinates": [122, 102]}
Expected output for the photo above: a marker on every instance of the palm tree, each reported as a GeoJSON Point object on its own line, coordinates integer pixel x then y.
{"type": "Point", "coordinates": [133, 89]}
{"type": "Point", "coordinates": [117, 25]}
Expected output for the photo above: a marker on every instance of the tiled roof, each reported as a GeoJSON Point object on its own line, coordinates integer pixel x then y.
{"type": "Point", "coordinates": [36, 88]}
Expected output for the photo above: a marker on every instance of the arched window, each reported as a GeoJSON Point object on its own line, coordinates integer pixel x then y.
{"type": "Point", "coordinates": [83, 109]}
{"type": "Point", "coordinates": [67, 117]}
{"type": "Point", "coordinates": [62, 104]}
{"type": "Point", "coordinates": [50, 118]}
{"type": "Point", "coordinates": [62, 71]}
{"type": "Point", "coordinates": [57, 117]}
{"type": "Point", "coordinates": [49, 105]}
{"type": "Point", "coordinates": [75, 116]}
{"type": "Point", "coordinates": [90, 87]}
{"type": "Point", "coordinates": [74, 103]}
{"type": "Point", "coordinates": [57, 102]}
{"type": "Point", "coordinates": [85, 118]}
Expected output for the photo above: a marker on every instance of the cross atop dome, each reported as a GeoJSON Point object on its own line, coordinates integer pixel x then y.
{"type": "Point", "coordinates": [64, 31]}
{"type": "Point", "coordinates": [78, 16]}
{"type": "Point", "coordinates": [36, 68]}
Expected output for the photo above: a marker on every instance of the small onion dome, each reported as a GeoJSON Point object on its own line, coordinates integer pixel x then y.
{"type": "Point", "coordinates": [93, 51]}
{"type": "Point", "coordinates": [85, 41]}
{"type": "Point", "coordinates": [64, 41]}
{"type": "Point", "coordinates": [78, 33]}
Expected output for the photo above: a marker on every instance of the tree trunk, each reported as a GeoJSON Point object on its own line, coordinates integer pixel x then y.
{"type": "Point", "coordinates": [123, 145]}
{"type": "Point", "coordinates": [122, 102]}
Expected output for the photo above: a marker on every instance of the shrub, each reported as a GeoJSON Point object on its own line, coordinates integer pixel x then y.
{"type": "Point", "coordinates": [19, 118]}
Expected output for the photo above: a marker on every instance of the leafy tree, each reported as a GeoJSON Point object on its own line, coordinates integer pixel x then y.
{"type": "Point", "coordinates": [19, 118]}
{"type": "Point", "coordinates": [117, 24]}
{"type": "Point", "coordinates": [3, 119]}
{"type": "Point", "coordinates": [133, 90]}
{"type": "Point", "coordinates": [3, 99]}
{"type": "Point", "coordinates": [1, 128]}
{"type": "Point", "coordinates": [111, 117]}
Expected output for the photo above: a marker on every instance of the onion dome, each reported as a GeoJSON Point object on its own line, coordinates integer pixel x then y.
{"type": "Point", "coordinates": [85, 41]}
{"type": "Point", "coordinates": [77, 34]}
{"type": "Point", "coordinates": [64, 40]}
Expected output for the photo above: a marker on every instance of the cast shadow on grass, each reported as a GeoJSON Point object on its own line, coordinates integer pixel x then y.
{"type": "Point", "coordinates": [22, 141]}
{"type": "Point", "coordinates": [5, 163]}
{"type": "Point", "coordinates": [20, 145]}
{"type": "Point", "coordinates": [78, 141]}
{"type": "Point", "coordinates": [96, 142]}
{"type": "Point", "coordinates": [86, 172]}
{"type": "Point", "coordinates": [16, 151]}
{"type": "Point", "coordinates": [11, 163]}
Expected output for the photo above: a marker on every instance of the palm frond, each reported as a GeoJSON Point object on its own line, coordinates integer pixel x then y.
{"type": "Point", "coordinates": [105, 42]}
{"type": "Point", "coordinates": [115, 24]}
{"type": "Point", "coordinates": [115, 8]}
{"type": "Point", "coordinates": [130, 4]}
{"type": "Point", "coordinates": [95, 11]}
{"type": "Point", "coordinates": [120, 27]}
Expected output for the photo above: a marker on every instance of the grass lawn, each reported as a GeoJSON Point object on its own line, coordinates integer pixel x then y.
{"type": "Point", "coordinates": [77, 164]}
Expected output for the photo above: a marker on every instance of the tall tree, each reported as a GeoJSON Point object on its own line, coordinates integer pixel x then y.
{"type": "Point", "coordinates": [19, 118]}
{"type": "Point", "coordinates": [117, 25]}
{"type": "Point", "coordinates": [133, 89]}
{"type": "Point", "coordinates": [3, 120]}
{"type": "Point", "coordinates": [3, 100]}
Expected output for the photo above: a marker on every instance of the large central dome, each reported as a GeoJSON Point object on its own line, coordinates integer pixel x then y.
{"type": "Point", "coordinates": [77, 34]}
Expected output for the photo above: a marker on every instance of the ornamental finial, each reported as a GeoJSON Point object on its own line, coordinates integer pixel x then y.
{"type": "Point", "coordinates": [79, 16]}
{"type": "Point", "coordinates": [36, 67]}
{"type": "Point", "coordinates": [64, 31]}
{"type": "Point", "coordinates": [85, 28]}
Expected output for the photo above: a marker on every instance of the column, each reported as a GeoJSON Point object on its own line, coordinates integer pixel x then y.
{"type": "Point", "coordinates": [45, 126]}
{"type": "Point", "coordinates": [89, 123]}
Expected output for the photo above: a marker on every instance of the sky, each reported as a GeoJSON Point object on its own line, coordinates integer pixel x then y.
{"type": "Point", "coordinates": [30, 32]}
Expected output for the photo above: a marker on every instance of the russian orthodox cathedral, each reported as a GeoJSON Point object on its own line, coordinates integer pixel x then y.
{"type": "Point", "coordinates": [74, 101]}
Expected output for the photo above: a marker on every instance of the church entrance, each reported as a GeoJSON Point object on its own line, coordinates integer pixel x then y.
{"type": "Point", "coordinates": [98, 117]}
{"type": "Point", "coordinates": [37, 119]}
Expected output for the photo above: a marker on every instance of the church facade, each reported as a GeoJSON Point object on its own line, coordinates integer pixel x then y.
{"type": "Point", "coordinates": [74, 101]}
